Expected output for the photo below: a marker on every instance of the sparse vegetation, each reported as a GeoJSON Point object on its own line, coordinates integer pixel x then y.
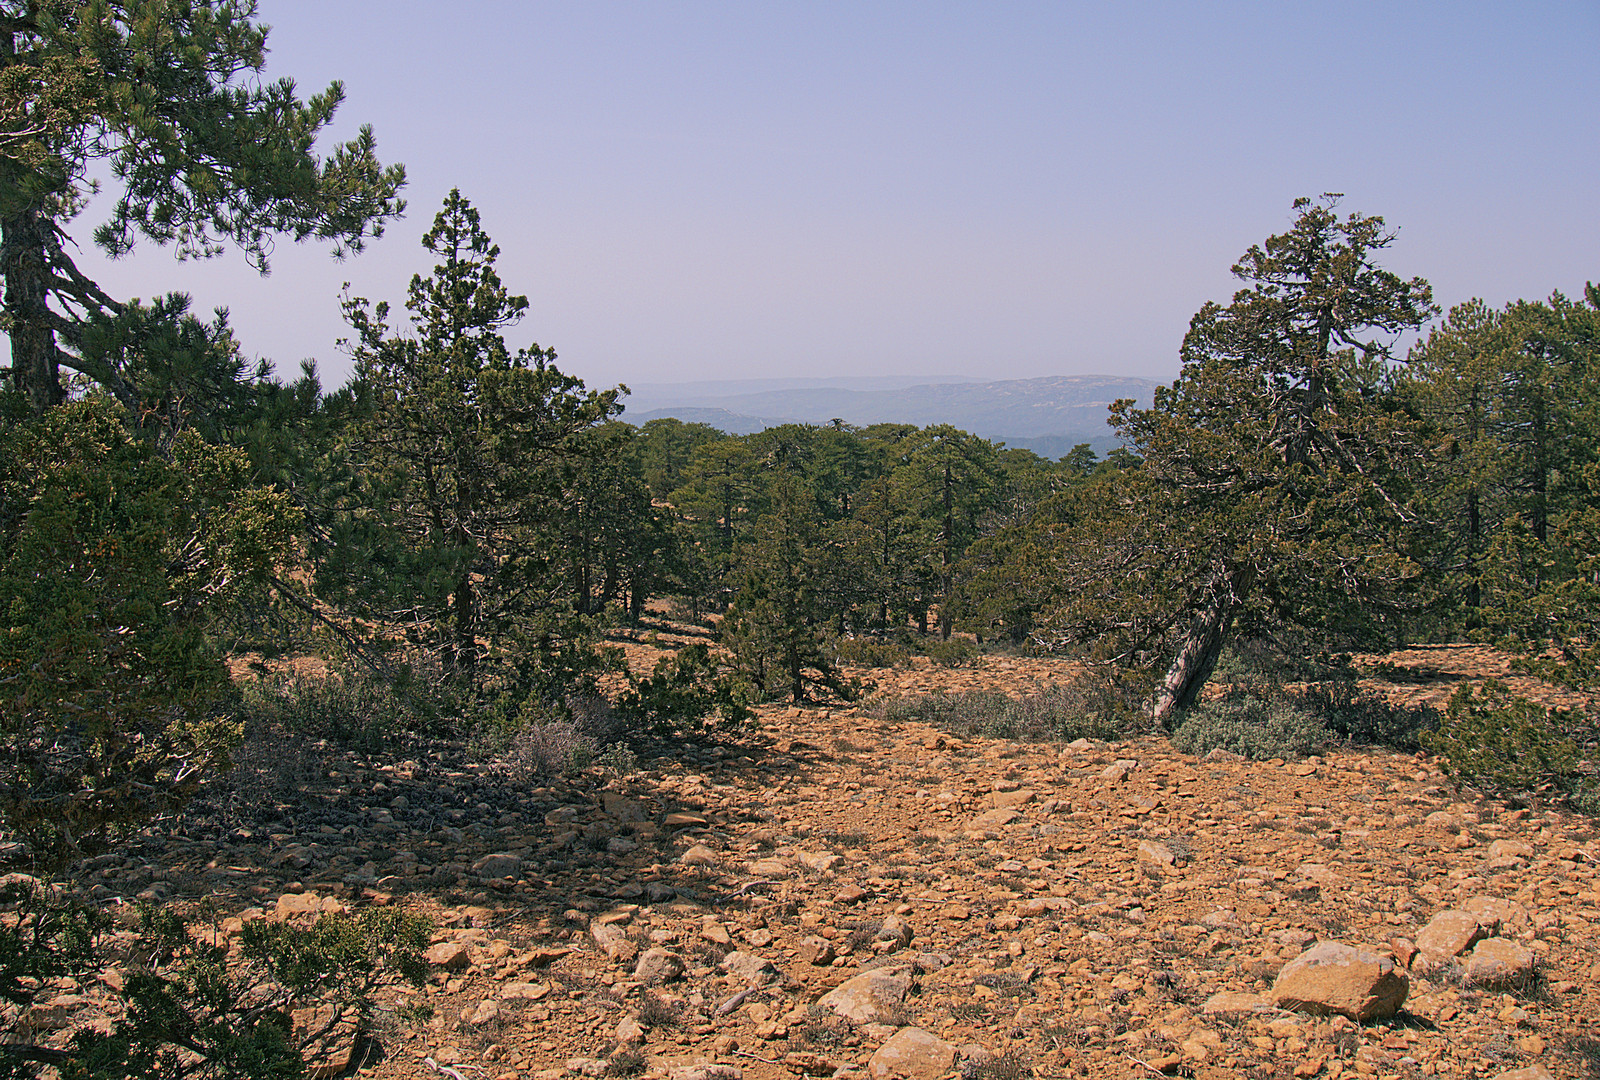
{"type": "Point", "coordinates": [1253, 728]}
{"type": "Point", "coordinates": [1083, 709]}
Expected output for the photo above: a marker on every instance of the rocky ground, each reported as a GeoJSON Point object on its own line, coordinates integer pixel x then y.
{"type": "Point", "coordinates": [827, 895]}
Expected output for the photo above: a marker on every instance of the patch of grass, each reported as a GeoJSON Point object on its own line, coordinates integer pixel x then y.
{"type": "Point", "coordinates": [353, 708]}
{"type": "Point", "coordinates": [656, 1011]}
{"type": "Point", "coordinates": [626, 1061]}
{"type": "Point", "coordinates": [957, 652]}
{"type": "Point", "coordinates": [1011, 1065]}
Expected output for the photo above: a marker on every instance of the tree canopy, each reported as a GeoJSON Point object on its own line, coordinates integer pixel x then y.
{"type": "Point", "coordinates": [165, 93]}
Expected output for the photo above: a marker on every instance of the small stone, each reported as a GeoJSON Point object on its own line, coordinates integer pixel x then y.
{"type": "Point", "coordinates": [1530, 1072]}
{"type": "Point", "coordinates": [658, 966]}
{"type": "Point", "coordinates": [850, 894]}
{"type": "Point", "coordinates": [817, 951]}
{"type": "Point", "coordinates": [1234, 1003]}
{"type": "Point", "coordinates": [913, 1054]}
{"type": "Point", "coordinates": [754, 970]}
{"type": "Point", "coordinates": [993, 819]}
{"type": "Point", "coordinates": [1450, 933]}
{"type": "Point", "coordinates": [1115, 774]}
{"type": "Point", "coordinates": [706, 1072]}
{"type": "Point", "coordinates": [698, 855]}
{"type": "Point", "coordinates": [523, 991]}
{"type": "Point", "coordinates": [872, 997]}
{"type": "Point", "coordinates": [501, 864]}
{"type": "Point", "coordinates": [1498, 964]}
{"type": "Point", "coordinates": [822, 862]}
{"type": "Point", "coordinates": [680, 819]}
{"type": "Point", "coordinates": [630, 1032]}
{"type": "Point", "coordinates": [895, 930]}
{"type": "Point", "coordinates": [449, 955]}
{"type": "Point", "coordinates": [613, 941]}
{"type": "Point", "coordinates": [1156, 854]}
{"type": "Point", "coordinates": [807, 1063]}
{"type": "Point", "coordinates": [1332, 977]}
{"type": "Point", "coordinates": [622, 808]}
{"type": "Point", "coordinates": [487, 1012]}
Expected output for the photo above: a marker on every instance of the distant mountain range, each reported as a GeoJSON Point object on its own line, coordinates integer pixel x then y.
{"type": "Point", "coordinates": [1047, 415]}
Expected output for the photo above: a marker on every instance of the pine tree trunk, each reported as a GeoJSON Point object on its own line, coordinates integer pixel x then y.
{"type": "Point", "coordinates": [1197, 656]}
{"type": "Point", "coordinates": [23, 261]}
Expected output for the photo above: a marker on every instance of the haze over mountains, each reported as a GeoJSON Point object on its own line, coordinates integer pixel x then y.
{"type": "Point", "coordinates": [1047, 415]}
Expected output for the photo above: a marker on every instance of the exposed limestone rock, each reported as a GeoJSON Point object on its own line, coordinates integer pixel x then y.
{"type": "Point", "coordinates": [912, 1054]}
{"type": "Point", "coordinates": [873, 997]}
{"type": "Point", "coordinates": [1332, 977]}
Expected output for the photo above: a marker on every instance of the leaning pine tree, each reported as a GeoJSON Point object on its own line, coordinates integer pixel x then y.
{"type": "Point", "coordinates": [1277, 472]}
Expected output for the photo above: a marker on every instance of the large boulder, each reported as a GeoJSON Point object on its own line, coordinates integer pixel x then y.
{"type": "Point", "coordinates": [1332, 977]}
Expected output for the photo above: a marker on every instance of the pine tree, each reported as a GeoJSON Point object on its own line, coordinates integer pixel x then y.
{"type": "Point", "coordinates": [164, 92]}
{"type": "Point", "coordinates": [468, 455]}
{"type": "Point", "coordinates": [1277, 469]}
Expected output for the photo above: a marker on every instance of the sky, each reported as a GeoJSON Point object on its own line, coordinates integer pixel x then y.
{"type": "Point", "coordinates": [695, 190]}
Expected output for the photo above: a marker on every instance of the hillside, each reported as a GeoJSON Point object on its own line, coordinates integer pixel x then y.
{"type": "Point", "coordinates": [831, 894]}
{"type": "Point", "coordinates": [1049, 415]}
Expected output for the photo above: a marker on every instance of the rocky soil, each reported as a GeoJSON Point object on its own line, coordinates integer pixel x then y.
{"type": "Point", "coordinates": [827, 895]}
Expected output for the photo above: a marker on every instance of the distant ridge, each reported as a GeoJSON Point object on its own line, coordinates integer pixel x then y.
{"type": "Point", "coordinates": [1048, 415]}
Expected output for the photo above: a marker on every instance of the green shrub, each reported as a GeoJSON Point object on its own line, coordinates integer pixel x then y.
{"type": "Point", "coordinates": [1251, 727]}
{"type": "Point", "coordinates": [1083, 709]}
{"type": "Point", "coordinates": [682, 693]}
{"type": "Point", "coordinates": [865, 652]}
{"type": "Point", "coordinates": [113, 557]}
{"type": "Point", "coordinates": [957, 652]}
{"type": "Point", "coordinates": [1492, 740]}
{"type": "Point", "coordinates": [354, 708]}
{"type": "Point", "coordinates": [1366, 718]}
{"type": "Point", "coordinates": [192, 1002]}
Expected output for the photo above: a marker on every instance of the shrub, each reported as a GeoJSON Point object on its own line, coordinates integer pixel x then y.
{"type": "Point", "coordinates": [865, 652]}
{"type": "Point", "coordinates": [957, 652]}
{"type": "Point", "coordinates": [1086, 708]}
{"type": "Point", "coordinates": [550, 748]}
{"type": "Point", "coordinates": [354, 708]}
{"type": "Point", "coordinates": [1251, 727]}
{"type": "Point", "coordinates": [1366, 718]}
{"type": "Point", "coordinates": [682, 692]}
{"type": "Point", "coordinates": [112, 559]}
{"type": "Point", "coordinates": [1492, 740]}
{"type": "Point", "coordinates": [192, 1002]}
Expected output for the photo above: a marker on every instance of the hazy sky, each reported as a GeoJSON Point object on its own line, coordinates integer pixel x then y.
{"type": "Point", "coordinates": [692, 190]}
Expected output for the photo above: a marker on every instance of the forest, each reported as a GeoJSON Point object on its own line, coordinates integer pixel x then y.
{"type": "Point", "coordinates": [462, 529]}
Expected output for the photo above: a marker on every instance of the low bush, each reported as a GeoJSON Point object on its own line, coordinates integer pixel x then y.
{"type": "Point", "coordinates": [1250, 726]}
{"type": "Point", "coordinates": [1366, 718]}
{"type": "Point", "coordinates": [556, 746]}
{"type": "Point", "coordinates": [868, 653]}
{"type": "Point", "coordinates": [192, 1001]}
{"type": "Point", "coordinates": [1493, 740]}
{"type": "Point", "coordinates": [353, 708]}
{"type": "Point", "coordinates": [957, 652]}
{"type": "Point", "coordinates": [683, 691]}
{"type": "Point", "coordinates": [1083, 709]}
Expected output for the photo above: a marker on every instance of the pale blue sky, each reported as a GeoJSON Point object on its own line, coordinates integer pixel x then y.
{"type": "Point", "coordinates": [697, 190]}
